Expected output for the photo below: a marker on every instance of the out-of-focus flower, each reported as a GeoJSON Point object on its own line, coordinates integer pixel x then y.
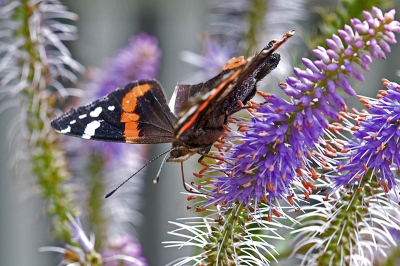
{"type": "Point", "coordinates": [140, 59]}
{"type": "Point", "coordinates": [119, 251]}
{"type": "Point", "coordinates": [122, 251]}
{"type": "Point", "coordinates": [211, 62]}
{"type": "Point", "coordinates": [79, 235]}
{"type": "Point", "coordinates": [81, 250]}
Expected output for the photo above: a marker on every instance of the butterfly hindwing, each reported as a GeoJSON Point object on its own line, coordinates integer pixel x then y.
{"type": "Point", "coordinates": [136, 114]}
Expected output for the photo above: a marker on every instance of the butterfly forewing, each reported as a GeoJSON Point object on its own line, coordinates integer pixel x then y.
{"type": "Point", "coordinates": [136, 114]}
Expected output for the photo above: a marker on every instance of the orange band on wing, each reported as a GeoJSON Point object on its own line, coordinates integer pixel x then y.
{"type": "Point", "coordinates": [234, 62]}
{"type": "Point", "coordinates": [205, 103]}
{"type": "Point", "coordinates": [128, 117]}
{"type": "Point", "coordinates": [131, 131]}
{"type": "Point", "coordinates": [129, 101]}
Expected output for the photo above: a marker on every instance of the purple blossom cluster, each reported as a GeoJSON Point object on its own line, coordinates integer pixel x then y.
{"type": "Point", "coordinates": [374, 148]}
{"type": "Point", "coordinates": [273, 150]}
{"type": "Point", "coordinates": [317, 85]}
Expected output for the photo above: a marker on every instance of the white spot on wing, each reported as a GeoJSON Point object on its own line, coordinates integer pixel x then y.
{"type": "Point", "coordinates": [96, 112]}
{"type": "Point", "coordinates": [82, 116]}
{"type": "Point", "coordinates": [171, 103]}
{"type": "Point", "coordinates": [72, 122]}
{"type": "Point", "coordinates": [90, 129]}
{"type": "Point", "coordinates": [111, 108]}
{"type": "Point", "coordinates": [67, 130]}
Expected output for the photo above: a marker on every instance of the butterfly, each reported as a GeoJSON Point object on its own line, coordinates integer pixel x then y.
{"type": "Point", "coordinates": [194, 118]}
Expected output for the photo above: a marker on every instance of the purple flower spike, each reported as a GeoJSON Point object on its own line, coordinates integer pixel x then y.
{"type": "Point", "coordinates": [394, 26]}
{"type": "Point", "coordinates": [308, 74]}
{"type": "Point", "coordinates": [348, 66]}
{"type": "Point", "coordinates": [348, 51]}
{"type": "Point", "coordinates": [340, 62]}
{"type": "Point", "coordinates": [359, 43]}
{"type": "Point", "coordinates": [357, 75]}
{"type": "Point", "coordinates": [330, 85]}
{"type": "Point", "coordinates": [327, 109]}
{"type": "Point", "coordinates": [305, 100]}
{"type": "Point", "coordinates": [332, 67]}
{"type": "Point", "coordinates": [336, 100]}
{"type": "Point", "coordinates": [303, 87]}
{"type": "Point", "coordinates": [375, 145]}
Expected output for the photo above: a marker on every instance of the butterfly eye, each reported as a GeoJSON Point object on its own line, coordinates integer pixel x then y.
{"type": "Point", "coordinates": [179, 151]}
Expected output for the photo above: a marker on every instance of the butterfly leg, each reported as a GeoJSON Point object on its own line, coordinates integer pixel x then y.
{"type": "Point", "coordinates": [204, 152]}
{"type": "Point", "coordinates": [190, 190]}
{"type": "Point", "coordinates": [237, 109]}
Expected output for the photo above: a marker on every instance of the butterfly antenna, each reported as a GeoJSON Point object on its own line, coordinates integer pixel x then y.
{"type": "Point", "coordinates": [155, 181]}
{"type": "Point", "coordinates": [144, 166]}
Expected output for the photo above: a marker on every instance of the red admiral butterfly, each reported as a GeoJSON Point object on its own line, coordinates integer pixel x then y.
{"type": "Point", "coordinates": [192, 122]}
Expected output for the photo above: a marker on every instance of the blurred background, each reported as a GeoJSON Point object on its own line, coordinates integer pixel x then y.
{"type": "Point", "coordinates": [104, 27]}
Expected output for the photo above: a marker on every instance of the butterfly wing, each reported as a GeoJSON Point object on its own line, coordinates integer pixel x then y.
{"type": "Point", "coordinates": [182, 94]}
{"type": "Point", "coordinates": [237, 82]}
{"type": "Point", "coordinates": [136, 114]}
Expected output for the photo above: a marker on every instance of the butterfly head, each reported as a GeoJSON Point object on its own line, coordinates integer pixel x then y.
{"type": "Point", "coordinates": [180, 153]}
